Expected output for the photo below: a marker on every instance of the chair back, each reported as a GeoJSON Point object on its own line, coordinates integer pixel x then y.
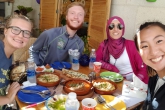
{"type": "Point", "coordinates": [22, 54]}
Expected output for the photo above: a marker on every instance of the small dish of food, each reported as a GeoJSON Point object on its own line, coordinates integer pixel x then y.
{"type": "Point", "coordinates": [40, 69]}
{"type": "Point", "coordinates": [104, 87]}
{"type": "Point", "coordinates": [79, 86]}
{"type": "Point", "coordinates": [56, 102]}
{"type": "Point", "coordinates": [44, 69]}
{"type": "Point", "coordinates": [48, 79]}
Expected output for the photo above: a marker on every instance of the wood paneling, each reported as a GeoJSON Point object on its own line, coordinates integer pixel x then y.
{"type": "Point", "coordinates": [99, 14]}
{"type": "Point", "coordinates": [48, 14]}
{"type": "Point", "coordinates": [51, 10]}
{"type": "Point", "coordinates": [6, 0]}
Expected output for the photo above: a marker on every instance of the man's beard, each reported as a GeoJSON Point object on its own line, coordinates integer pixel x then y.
{"type": "Point", "coordinates": [73, 28]}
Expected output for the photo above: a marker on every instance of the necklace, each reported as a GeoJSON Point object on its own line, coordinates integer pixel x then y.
{"type": "Point", "coordinates": [115, 62]}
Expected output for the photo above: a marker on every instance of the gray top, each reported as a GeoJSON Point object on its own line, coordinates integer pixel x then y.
{"type": "Point", "coordinates": [53, 45]}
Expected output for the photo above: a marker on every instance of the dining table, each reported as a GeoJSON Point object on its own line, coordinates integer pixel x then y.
{"type": "Point", "coordinates": [86, 70]}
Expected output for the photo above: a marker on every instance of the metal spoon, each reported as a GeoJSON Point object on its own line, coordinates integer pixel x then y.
{"type": "Point", "coordinates": [101, 100]}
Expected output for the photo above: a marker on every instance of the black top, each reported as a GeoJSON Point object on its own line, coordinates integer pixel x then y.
{"type": "Point", "coordinates": [155, 101]}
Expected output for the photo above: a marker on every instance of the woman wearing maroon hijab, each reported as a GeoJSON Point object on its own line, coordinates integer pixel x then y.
{"type": "Point", "coordinates": [118, 54]}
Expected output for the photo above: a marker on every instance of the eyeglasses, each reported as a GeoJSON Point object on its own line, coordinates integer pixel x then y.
{"type": "Point", "coordinates": [119, 26]}
{"type": "Point", "coordinates": [16, 30]}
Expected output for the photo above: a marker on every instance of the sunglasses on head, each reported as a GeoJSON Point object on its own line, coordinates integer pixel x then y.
{"type": "Point", "coordinates": [119, 26]}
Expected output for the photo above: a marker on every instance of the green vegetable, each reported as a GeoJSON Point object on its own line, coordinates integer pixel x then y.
{"type": "Point", "coordinates": [58, 105]}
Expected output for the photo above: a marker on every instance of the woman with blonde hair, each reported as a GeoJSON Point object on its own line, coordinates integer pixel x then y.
{"type": "Point", "coordinates": [17, 33]}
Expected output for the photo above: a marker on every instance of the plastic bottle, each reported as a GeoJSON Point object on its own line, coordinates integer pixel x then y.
{"type": "Point", "coordinates": [75, 61]}
{"type": "Point", "coordinates": [31, 75]}
{"type": "Point", "coordinates": [72, 103]}
{"type": "Point", "coordinates": [92, 58]}
{"type": "Point", "coordinates": [70, 51]}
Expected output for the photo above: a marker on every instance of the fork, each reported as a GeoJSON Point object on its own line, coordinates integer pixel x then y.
{"type": "Point", "coordinates": [35, 91]}
{"type": "Point", "coordinates": [101, 100]}
{"type": "Point", "coordinates": [42, 94]}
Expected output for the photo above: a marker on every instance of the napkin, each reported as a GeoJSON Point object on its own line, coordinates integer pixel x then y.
{"type": "Point", "coordinates": [129, 89]}
{"type": "Point", "coordinates": [27, 84]}
{"type": "Point", "coordinates": [129, 101]}
{"type": "Point", "coordinates": [138, 83]}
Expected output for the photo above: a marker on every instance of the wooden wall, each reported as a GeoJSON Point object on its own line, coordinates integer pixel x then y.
{"type": "Point", "coordinates": [99, 14]}
{"type": "Point", "coordinates": [6, 0]}
{"type": "Point", "coordinates": [48, 15]}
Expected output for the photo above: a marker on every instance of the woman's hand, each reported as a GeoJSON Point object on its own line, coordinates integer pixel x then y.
{"type": "Point", "coordinates": [13, 89]}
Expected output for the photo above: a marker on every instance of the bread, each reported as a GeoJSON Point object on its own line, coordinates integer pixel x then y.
{"type": "Point", "coordinates": [19, 69]}
{"type": "Point", "coordinates": [18, 72]}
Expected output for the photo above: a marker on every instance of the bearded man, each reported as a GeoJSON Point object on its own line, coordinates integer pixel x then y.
{"type": "Point", "coordinates": [53, 44]}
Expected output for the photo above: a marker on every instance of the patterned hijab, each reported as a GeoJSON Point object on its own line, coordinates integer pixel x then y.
{"type": "Point", "coordinates": [114, 47]}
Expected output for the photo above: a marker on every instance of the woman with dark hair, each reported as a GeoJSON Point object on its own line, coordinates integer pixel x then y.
{"type": "Point", "coordinates": [150, 42]}
{"type": "Point", "coordinates": [119, 55]}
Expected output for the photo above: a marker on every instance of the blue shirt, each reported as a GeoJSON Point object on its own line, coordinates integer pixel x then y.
{"type": "Point", "coordinates": [5, 63]}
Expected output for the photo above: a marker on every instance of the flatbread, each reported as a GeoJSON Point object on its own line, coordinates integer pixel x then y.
{"type": "Point", "coordinates": [19, 69]}
{"type": "Point", "coordinates": [18, 72]}
{"type": "Point", "coordinates": [74, 74]}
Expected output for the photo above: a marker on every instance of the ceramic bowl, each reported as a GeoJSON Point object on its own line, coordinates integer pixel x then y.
{"type": "Point", "coordinates": [79, 86]}
{"type": "Point", "coordinates": [48, 79]}
{"type": "Point", "coordinates": [58, 102]}
{"type": "Point", "coordinates": [103, 89]}
{"type": "Point", "coordinates": [42, 68]}
{"type": "Point", "coordinates": [39, 69]}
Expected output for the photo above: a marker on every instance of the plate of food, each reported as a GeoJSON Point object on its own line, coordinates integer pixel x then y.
{"type": "Point", "coordinates": [56, 103]}
{"type": "Point", "coordinates": [79, 86]}
{"type": "Point", "coordinates": [74, 74]}
{"type": "Point", "coordinates": [115, 77]}
{"type": "Point", "coordinates": [104, 87]}
{"type": "Point", "coordinates": [48, 79]}
{"type": "Point", "coordinates": [111, 100]}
